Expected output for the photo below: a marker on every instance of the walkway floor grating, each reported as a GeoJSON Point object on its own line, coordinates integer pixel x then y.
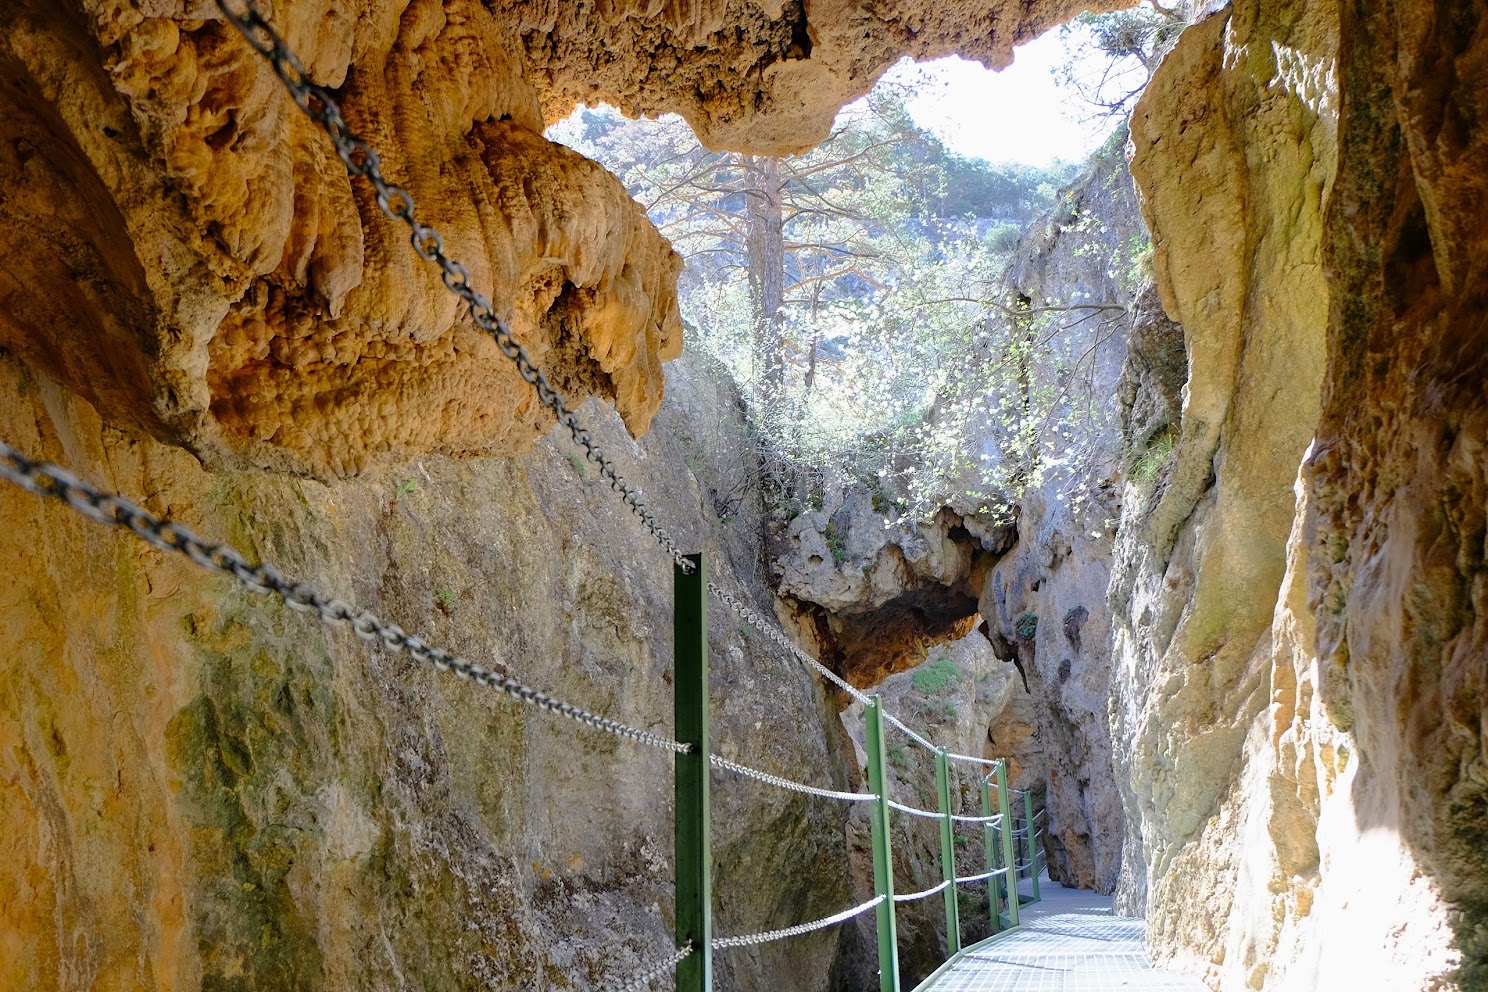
{"type": "Point", "coordinates": [1069, 942]}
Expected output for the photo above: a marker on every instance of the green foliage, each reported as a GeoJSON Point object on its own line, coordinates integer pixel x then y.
{"type": "Point", "coordinates": [445, 599]}
{"type": "Point", "coordinates": [1026, 626]}
{"type": "Point", "coordinates": [936, 676]}
{"type": "Point", "coordinates": [1003, 237]}
{"type": "Point", "coordinates": [577, 463]}
{"type": "Point", "coordinates": [1155, 456]}
{"type": "Point", "coordinates": [899, 759]}
{"type": "Point", "coordinates": [408, 488]}
{"type": "Point", "coordinates": [894, 360]}
{"type": "Point", "coordinates": [1110, 57]}
{"type": "Point", "coordinates": [836, 544]}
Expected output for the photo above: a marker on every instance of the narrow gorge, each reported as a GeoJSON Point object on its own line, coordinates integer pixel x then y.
{"type": "Point", "coordinates": [1231, 636]}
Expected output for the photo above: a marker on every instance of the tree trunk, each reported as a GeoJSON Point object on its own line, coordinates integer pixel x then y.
{"type": "Point", "coordinates": [765, 247]}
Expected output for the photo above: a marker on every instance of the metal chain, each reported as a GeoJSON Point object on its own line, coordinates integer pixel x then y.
{"type": "Point", "coordinates": [362, 160]}
{"type": "Point", "coordinates": [769, 630]}
{"type": "Point", "coordinates": [46, 479]}
{"type": "Point", "coordinates": [904, 729]}
{"type": "Point", "coordinates": [913, 896]}
{"type": "Point", "coordinates": [913, 811]}
{"type": "Point", "coordinates": [719, 761]}
{"type": "Point", "coordinates": [795, 931]}
{"type": "Point", "coordinates": [989, 820]}
{"type": "Point", "coordinates": [661, 968]}
{"type": "Point", "coordinates": [966, 757]}
{"type": "Point", "coordinates": [982, 877]}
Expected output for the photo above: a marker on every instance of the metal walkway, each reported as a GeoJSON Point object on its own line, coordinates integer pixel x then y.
{"type": "Point", "coordinates": [1069, 942]}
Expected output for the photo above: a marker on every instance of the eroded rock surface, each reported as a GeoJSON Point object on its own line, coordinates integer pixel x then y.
{"type": "Point", "coordinates": [202, 789]}
{"type": "Point", "coordinates": [875, 598]}
{"type": "Point", "coordinates": [231, 289]}
{"type": "Point", "coordinates": [1301, 640]}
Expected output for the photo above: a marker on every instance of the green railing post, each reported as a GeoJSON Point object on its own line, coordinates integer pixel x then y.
{"type": "Point", "coordinates": [883, 852]}
{"type": "Point", "coordinates": [1008, 857]}
{"type": "Point", "coordinates": [948, 852]}
{"type": "Point", "coordinates": [1033, 866]}
{"type": "Point", "coordinates": [694, 839]}
{"type": "Point", "coordinates": [989, 844]}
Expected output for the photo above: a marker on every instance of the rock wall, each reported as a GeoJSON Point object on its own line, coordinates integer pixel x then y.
{"type": "Point", "coordinates": [1044, 602]}
{"type": "Point", "coordinates": [1298, 589]}
{"type": "Point", "coordinates": [202, 789]}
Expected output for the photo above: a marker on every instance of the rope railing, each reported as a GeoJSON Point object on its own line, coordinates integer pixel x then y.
{"type": "Point", "coordinates": [992, 820]}
{"type": "Point", "coordinates": [767, 936]}
{"type": "Point", "coordinates": [645, 978]}
{"type": "Point", "coordinates": [718, 761]}
{"type": "Point", "coordinates": [989, 762]}
{"type": "Point", "coordinates": [924, 894]}
{"type": "Point", "coordinates": [55, 482]}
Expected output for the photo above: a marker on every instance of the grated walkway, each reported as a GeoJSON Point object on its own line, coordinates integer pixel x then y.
{"type": "Point", "coordinates": [1069, 942]}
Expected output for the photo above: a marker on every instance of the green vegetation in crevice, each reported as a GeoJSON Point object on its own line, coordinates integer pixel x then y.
{"type": "Point", "coordinates": [836, 543]}
{"type": "Point", "coordinates": [1026, 626]}
{"type": "Point", "coordinates": [936, 676]}
{"type": "Point", "coordinates": [1147, 464]}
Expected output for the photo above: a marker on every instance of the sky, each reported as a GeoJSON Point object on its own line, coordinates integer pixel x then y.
{"type": "Point", "coordinates": [1016, 115]}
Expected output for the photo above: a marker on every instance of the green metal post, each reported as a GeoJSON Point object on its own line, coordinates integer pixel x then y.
{"type": "Point", "coordinates": [693, 820]}
{"type": "Point", "coordinates": [1008, 858]}
{"type": "Point", "coordinates": [948, 852]}
{"type": "Point", "coordinates": [883, 853]}
{"type": "Point", "coordinates": [1033, 866]}
{"type": "Point", "coordinates": [989, 843]}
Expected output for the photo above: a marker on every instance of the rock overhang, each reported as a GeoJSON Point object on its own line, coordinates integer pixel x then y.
{"type": "Point", "coordinates": [189, 255]}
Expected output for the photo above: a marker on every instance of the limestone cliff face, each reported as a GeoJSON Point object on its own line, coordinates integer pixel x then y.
{"type": "Point", "coordinates": [1044, 602]}
{"type": "Point", "coordinates": [1298, 591]}
{"type": "Point", "coordinates": [202, 789]}
{"type": "Point", "coordinates": [874, 598]}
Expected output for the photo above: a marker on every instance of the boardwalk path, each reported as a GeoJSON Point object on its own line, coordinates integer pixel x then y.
{"type": "Point", "coordinates": [1069, 942]}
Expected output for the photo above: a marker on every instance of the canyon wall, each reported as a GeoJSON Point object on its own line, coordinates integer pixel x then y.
{"type": "Point", "coordinates": [1044, 602]}
{"type": "Point", "coordinates": [1298, 593]}
{"type": "Point", "coordinates": [201, 790]}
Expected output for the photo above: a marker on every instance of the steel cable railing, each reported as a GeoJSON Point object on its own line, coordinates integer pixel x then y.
{"type": "Point", "coordinates": [915, 811]}
{"type": "Point", "coordinates": [718, 761]}
{"type": "Point", "coordinates": [923, 894]}
{"type": "Point", "coordinates": [644, 978]}
{"type": "Point", "coordinates": [721, 943]}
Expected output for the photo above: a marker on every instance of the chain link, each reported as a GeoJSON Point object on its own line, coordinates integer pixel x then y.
{"type": "Point", "coordinates": [769, 630]}
{"type": "Point", "coordinates": [990, 763]}
{"type": "Point", "coordinates": [362, 160]}
{"type": "Point", "coordinates": [778, 636]}
{"type": "Point", "coordinates": [666, 967]}
{"type": "Point", "coordinates": [46, 479]}
{"type": "Point", "coordinates": [773, 633]}
{"type": "Point", "coordinates": [980, 878]}
{"type": "Point", "coordinates": [719, 761]}
{"type": "Point", "coordinates": [795, 931]}
{"type": "Point", "coordinates": [915, 896]}
{"type": "Point", "coordinates": [913, 811]}
{"type": "Point", "coordinates": [988, 820]}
